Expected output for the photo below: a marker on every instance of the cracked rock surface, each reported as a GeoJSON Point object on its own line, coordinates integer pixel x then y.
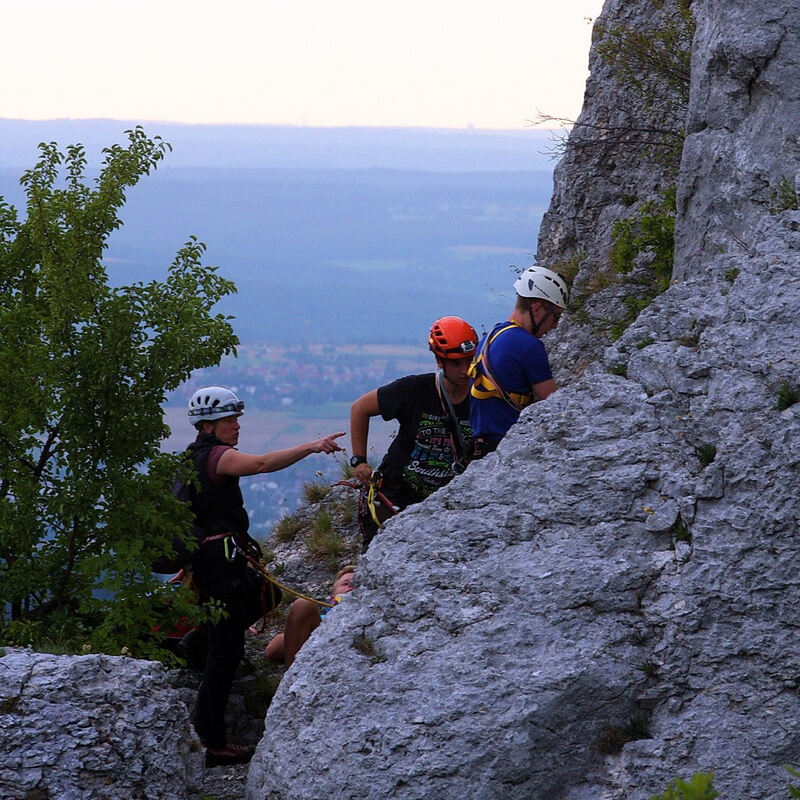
{"type": "Point", "coordinates": [93, 726]}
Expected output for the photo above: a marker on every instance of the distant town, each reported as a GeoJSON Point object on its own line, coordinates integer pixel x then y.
{"type": "Point", "coordinates": [344, 245]}
{"type": "Point", "coordinates": [274, 376]}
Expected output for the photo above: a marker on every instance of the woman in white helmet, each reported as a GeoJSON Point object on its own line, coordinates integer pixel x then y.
{"type": "Point", "coordinates": [511, 369]}
{"type": "Point", "coordinates": [219, 567]}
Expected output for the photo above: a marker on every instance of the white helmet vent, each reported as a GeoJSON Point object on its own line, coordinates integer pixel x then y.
{"type": "Point", "coordinates": [212, 403]}
{"type": "Point", "coordinates": [543, 284]}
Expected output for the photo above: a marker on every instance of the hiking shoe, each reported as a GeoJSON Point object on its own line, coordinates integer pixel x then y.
{"type": "Point", "coordinates": [230, 754]}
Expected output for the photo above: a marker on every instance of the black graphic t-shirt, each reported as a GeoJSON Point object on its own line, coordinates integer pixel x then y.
{"type": "Point", "coordinates": [420, 459]}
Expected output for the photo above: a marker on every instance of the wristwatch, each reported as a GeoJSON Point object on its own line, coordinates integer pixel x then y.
{"type": "Point", "coordinates": [356, 460]}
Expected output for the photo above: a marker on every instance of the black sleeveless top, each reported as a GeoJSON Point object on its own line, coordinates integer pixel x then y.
{"type": "Point", "coordinates": [218, 505]}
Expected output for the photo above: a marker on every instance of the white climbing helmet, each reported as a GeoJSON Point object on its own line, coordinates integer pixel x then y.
{"type": "Point", "coordinates": [212, 403]}
{"type": "Point", "coordinates": [544, 284]}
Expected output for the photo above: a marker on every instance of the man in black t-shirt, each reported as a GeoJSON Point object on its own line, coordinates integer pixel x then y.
{"type": "Point", "coordinates": [434, 438]}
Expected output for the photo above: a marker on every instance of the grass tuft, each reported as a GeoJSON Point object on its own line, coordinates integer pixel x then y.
{"type": "Point", "coordinates": [788, 395]}
{"type": "Point", "coordinates": [783, 197]}
{"type": "Point", "coordinates": [324, 542]}
{"type": "Point", "coordinates": [286, 529]}
{"type": "Point", "coordinates": [614, 738]}
{"type": "Point", "coordinates": [364, 645]}
{"type": "Point", "coordinates": [314, 491]}
{"type": "Point", "coordinates": [680, 532]}
{"type": "Point", "coordinates": [619, 369]}
{"type": "Point", "coordinates": [700, 787]}
{"type": "Point", "coordinates": [706, 453]}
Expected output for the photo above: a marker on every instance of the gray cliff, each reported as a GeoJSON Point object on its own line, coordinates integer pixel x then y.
{"type": "Point", "coordinates": [623, 153]}
{"type": "Point", "coordinates": [91, 727]}
{"type": "Point", "coordinates": [743, 127]}
{"type": "Point", "coordinates": [608, 602]}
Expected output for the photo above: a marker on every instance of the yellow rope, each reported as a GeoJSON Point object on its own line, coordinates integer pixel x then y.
{"type": "Point", "coordinates": [285, 588]}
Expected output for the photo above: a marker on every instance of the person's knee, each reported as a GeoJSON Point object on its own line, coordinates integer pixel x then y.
{"type": "Point", "coordinates": [301, 621]}
{"type": "Point", "coordinates": [302, 611]}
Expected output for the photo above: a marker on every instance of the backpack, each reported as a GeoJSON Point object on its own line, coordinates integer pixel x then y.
{"type": "Point", "coordinates": [181, 555]}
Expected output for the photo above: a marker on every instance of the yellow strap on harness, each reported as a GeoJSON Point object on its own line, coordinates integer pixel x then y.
{"type": "Point", "coordinates": [371, 504]}
{"type": "Point", "coordinates": [484, 387]}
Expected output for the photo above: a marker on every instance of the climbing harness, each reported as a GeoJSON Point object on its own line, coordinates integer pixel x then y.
{"type": "Point", "coordinates": [374, 492]}
{"type": "Point", "coordinates": [370, 498]}
{"type": "Point", "coordinates": [246, 546]}
{"type": "Point", "coordinates": [485, 385]}
{"type": "Point", "coordinates": [259, 567]}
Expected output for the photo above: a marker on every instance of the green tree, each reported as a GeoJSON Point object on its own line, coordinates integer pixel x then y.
{"type": "Point", "coordinates": [85, 501]}
{"type": "Point", "coordinates": [700, 787]}
{"type": "Point", "coordinates": [653, 63]}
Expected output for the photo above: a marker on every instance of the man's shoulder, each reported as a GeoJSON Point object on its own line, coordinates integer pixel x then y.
{"type": "Point", "coordinates": [413, 382]}
{"type": "Point", "coordinates": [509, 336]}
{"type": "Point", "coordinates": [405, 396]}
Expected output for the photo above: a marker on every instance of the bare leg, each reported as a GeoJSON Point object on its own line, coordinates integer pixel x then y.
{"type": "Point", "coordinates": [274, 650]}
{"type": "Point", "coordinates": [302, 619]}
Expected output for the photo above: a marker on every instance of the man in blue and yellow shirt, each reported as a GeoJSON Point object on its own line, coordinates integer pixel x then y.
{"type": "Point", "coordinates": [511, 369]}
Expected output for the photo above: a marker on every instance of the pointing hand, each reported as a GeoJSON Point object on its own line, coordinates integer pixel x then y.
{"type": "Point", "coordinates": [327, 444]}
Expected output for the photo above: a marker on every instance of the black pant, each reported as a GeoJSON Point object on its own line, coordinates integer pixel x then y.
{"type": "Point", "coordinates": [239, 588]}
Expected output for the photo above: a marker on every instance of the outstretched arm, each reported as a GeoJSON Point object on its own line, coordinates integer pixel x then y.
{"type": "Point", "coordinates": [365, 407]}
{"type": "Point", "coordinates": [232, 462]}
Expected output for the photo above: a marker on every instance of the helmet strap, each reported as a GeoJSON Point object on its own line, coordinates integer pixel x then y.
{"type": "Point", "coordinates": [534, 323]}
{"type": "Point", "coordinates": [548, 312]}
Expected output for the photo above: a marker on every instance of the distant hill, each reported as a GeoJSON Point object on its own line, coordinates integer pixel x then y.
{"type": "Point", "coordinates": [327, 255]}
{"type": "Point", "coordinates": [294, 147]}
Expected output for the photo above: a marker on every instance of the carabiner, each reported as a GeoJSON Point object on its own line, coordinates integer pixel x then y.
{"type": "Point", "coordinates": [230, 552]}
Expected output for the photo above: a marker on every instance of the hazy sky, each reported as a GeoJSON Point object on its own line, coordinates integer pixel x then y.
{"type": "Point", "coordinates": [437, 63]}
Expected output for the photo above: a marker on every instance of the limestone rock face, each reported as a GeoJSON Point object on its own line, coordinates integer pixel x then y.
{"type": "Point", "coordinates": [607, 602]}
{"type": "Point", "coordinates": [91, 728]}
{"type": "Point", "coordinates": [611, 156]}
{"type": "Point", "coordinates": [628, 557]}
{"type": "Point", "coordinates": [622, 153]}
{"type": "Point", "coordinates": [742, 152]}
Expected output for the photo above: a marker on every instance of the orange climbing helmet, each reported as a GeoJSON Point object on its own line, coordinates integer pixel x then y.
{"type": "Point", "coordinates": [451, 337]}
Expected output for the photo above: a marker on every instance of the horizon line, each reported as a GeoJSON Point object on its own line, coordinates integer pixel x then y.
{"type": "Point", "coordinates": [532, 128]}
